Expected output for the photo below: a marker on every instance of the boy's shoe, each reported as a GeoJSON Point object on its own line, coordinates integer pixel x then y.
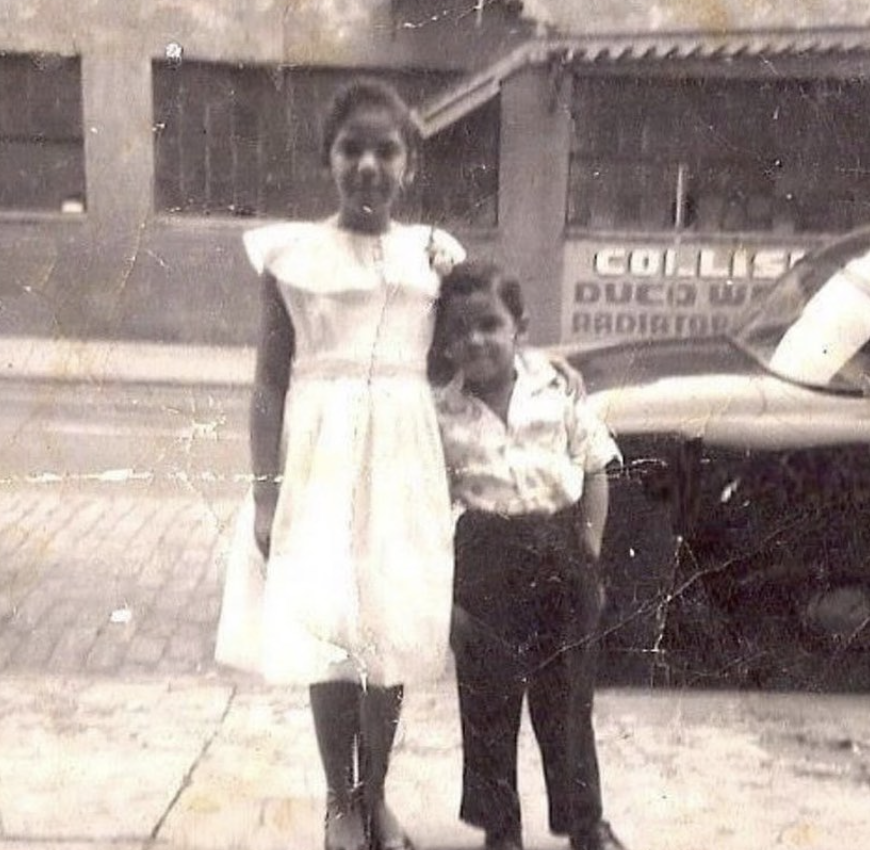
{"type": "Point", "coordinates": [503, 842]}
{"type": "Point", "coordinates": [600, 837]}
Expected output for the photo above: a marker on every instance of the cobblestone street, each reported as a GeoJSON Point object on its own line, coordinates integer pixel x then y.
{"type": "Point", "coordinates": [103, 580]}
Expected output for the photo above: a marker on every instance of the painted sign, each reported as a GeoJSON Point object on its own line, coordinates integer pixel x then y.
{"type": "Point", "coordinates": [616, 291]}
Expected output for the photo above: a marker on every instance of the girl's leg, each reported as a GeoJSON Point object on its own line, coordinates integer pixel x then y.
{"type": "Point", "coordinates": [336, 710]}
{"type": "Point", "coordinates": [381, 708]}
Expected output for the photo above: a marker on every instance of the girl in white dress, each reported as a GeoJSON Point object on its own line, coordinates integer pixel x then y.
{"type": "Point", "coordinates": [350, 510]}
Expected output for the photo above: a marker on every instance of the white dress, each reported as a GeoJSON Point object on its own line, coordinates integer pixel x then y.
{"type": "Point", "coordinates": [361, 564]}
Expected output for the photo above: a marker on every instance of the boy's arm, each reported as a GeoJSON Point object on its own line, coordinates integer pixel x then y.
{"type": "Point", "coordinates": [593, 449]}
{"type": "Point", "coordinates": [271, 380]}
{"type": "Point", "coordinates": [593, 512]}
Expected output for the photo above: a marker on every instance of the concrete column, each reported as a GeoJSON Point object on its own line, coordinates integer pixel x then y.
{"type": "Point", "coordinates": [92, 281]}
{"type": "Point", "coordinates": [119, 142]}
{"type": "Point", "coordinates": [533, 180]}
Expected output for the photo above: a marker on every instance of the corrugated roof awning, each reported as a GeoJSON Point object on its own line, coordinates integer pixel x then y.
{"type": "Point", "coordinates": [712, 45]}
{"type": "Point", "coordinates": [603, 50]}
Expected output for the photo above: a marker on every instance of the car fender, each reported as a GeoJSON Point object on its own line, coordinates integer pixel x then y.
{"type": "Point", "coordinates": [754, 411]}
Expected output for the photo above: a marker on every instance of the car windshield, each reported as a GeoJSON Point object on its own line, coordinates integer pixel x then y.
{"type": "Point", "coordinates": [814, 327]}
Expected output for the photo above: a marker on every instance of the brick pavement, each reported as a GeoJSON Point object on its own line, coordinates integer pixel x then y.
{"type": "Point", "coordinates": [110, 579]}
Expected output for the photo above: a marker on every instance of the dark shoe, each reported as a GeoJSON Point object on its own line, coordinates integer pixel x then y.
{"type": "Point", "coordinates": [335, 707]}
{"type": "Point", "coordinates": [380, 710]}
{"type": "Point", "coordinates": [600, 837]}
{"type": "Point", "coordinates": [503, 842]}
{"type": "Point", "coordinates": [386, 831]}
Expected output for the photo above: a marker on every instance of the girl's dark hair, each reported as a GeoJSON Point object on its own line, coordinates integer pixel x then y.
{"type": "Point", "coordinates": [474, 276]}
{"type": "Point", "coordinates": [363, 93]}
{"type": "Point", "coordinates": [465, 279]}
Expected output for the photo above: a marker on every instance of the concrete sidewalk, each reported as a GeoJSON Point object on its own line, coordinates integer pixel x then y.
{"type": "Point", "coordinates": [99, 763]}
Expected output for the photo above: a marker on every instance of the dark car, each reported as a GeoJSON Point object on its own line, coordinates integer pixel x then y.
{"type": "Point", "coordinates": [738, 549]}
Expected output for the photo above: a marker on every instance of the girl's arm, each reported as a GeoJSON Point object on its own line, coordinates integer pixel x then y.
{"type": "Point", "coordinates": [271, 380]}
{"type": "Point", "coordinates": [593, 512]}
{"type": "Point", "coordinates": [570, 375]}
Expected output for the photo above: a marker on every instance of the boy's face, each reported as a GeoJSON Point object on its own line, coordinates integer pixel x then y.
{"type": "Point", "coordinates": [482, 339]}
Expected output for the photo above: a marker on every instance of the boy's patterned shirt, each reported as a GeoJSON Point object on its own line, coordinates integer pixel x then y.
{"type": "Point", "coordinates": [537, 460]}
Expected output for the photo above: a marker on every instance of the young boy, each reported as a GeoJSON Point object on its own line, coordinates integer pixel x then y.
{"type": "Point", "coordinates": [527, 462]}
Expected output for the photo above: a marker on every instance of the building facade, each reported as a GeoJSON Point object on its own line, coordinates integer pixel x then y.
{"type": "Point", "coordinates": [138, 141]}
{"type": "Point", "coordinates": [645, 175]}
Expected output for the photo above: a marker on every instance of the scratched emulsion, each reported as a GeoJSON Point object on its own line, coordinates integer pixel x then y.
{"type": "Point", "coordinates": [117, 493]}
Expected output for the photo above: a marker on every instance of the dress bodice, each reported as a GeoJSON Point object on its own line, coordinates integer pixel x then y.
{"type": "Point", "coordinates": [360, 333]}
{"type": "Point", "coordinates": [359, 304]}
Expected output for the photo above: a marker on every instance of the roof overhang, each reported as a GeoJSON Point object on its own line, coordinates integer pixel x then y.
{"type": "Point", "coordinates": [622, 49]}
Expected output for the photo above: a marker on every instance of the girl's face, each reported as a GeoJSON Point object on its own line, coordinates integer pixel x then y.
{"type": "Point", "coordinates": [482, 339]}
{"type": "Point", "coordinates": [369, 160]}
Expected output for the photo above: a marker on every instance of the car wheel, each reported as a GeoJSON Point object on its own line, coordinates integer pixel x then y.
{"type": "Point", "coordinates": [840, 616]}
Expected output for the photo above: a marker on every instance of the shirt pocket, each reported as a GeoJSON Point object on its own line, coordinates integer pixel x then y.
{"type": "Point", "coordinates": [543, 425]}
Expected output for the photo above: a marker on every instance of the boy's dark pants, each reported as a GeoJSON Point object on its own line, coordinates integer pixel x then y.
{"type": "Point", "coordinates": [533, 600]}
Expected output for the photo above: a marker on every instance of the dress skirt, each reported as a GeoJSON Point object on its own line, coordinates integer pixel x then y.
{"type": "Point", "coordinates": [361, 568]}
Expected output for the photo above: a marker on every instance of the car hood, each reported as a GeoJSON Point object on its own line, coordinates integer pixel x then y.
{"type": "Point", "coordinates": [644, 361]}
{"type": "Point", "coordinates": [712, 390]}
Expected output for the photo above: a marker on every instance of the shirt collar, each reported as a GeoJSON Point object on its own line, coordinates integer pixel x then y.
{"type": "Point", "coordinates": [534, 371]}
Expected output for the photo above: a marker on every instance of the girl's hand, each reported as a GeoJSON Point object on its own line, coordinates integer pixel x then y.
{"type": "Point", "coordinates": [442, 256]}
{"type": "Point", "coordinates": [263, 518]}
{"type": "Point", "coordinates": [572, 377]}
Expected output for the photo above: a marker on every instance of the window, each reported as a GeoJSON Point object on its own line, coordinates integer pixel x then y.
{"type": "Point", "coordinates": [245, 141]}
{"type": "Point", "coordinates": [784, 156]}
{"type": "Point", "coordinates": [459, 171]}
{"type": "Point", "coordinates": [41, 143]}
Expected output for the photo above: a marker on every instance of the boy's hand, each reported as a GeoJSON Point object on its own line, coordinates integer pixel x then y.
{"type": "Point", "coordinates": [460, 625]}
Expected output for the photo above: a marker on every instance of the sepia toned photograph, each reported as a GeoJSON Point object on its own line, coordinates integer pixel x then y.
{"type": "Point", "coordinates": [434, 424]}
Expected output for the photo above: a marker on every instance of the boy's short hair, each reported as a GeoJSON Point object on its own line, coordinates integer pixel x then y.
{"type": "Point", "coordinates": [464, 279]}
{"type": "Point", "coordinates": [472, 276]}
{"type": "Point", "coordinates": [362, 93]}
